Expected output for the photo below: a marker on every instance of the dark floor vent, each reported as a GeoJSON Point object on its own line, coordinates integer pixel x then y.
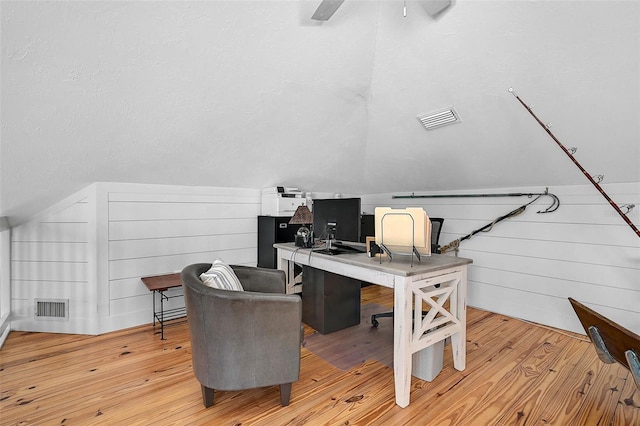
{"type": "Point", "coordinates": [52, 308]}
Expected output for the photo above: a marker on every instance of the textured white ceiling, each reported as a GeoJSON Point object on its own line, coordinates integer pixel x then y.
{"type": "Point", "coordinates": [254, 93]}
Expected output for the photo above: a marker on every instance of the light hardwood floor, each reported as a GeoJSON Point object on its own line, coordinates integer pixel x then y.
{"type": "Point", "coordinates": [517, 374]}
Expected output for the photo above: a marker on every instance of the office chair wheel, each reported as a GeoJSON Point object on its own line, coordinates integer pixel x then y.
{"type": "Point", "coordinates": [374, 323]}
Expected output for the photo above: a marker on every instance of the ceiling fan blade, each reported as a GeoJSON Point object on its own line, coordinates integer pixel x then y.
{"type": "Point", "coordinates": [434, 7]}
{"type": "Point", "coordinates": [326, 9]}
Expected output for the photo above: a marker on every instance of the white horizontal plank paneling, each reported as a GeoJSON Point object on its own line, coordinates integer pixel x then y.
{"type": "Point", "coordinates": [147, 230]}
{"type": "Point", "coordinates": [50, 259]}
{"type": "Point", "coordinates": [134, 310]}
{"type": "Point", "coordinates": [78, 310]}
{"type": "Point", "coordinates": [46, 251]}
{"type": "Point", "coordinates": [570, 252]}
{"type": "Point", "coordinates": [142, 229]}
{"type": "Point", "coordinates": [242, 197]}
{"type": "Point", "coordinates": [526, 266]}
{"type": "Point", "coordinates": [583, 195]}
{"type": "Point", "coordinates": [612, 189]}
{"type": "Point", "coordinates": [131, 249]}
{"type": "Point", "coordinates": [128, 320]}
{"type": "Point", "coordinates": [535, 203]}
{"type": "Point", "coordinates": [567, 213]}
{"type": "Point", "coordinates": [550, 311]}
{"type": "Point", "coordinates": [75, 213]}
{"type": "Point", "coordinates": [161, 229]}
{"type": "Point", "coordinates": [51, 290]}
{"type": "Point", "coordinates": [81, 318]}
{"type": "Point", "coordinates": [144, 303]}
{"type": "Point", "coordinates": [126, 287]}
{"type": "Point", "coordinates": [122, 190]}
{"type": "Point", "coordinates": [131, 268]}
{"type": "Point", "coordinates": [542, 309]}
{"type": "Point", "coordinates": [598, 235]}
{"type": "Point", "coordinates": [129, 305]}
{"type": "Point", "coordinates": [614, 297]}
{"type": "Point", "coordinates": [76, 326]}
{"type": "Point", "coordinates": [180, 211]}
{"type": "Point", "coordinates": [48, 271]}
{"type": "Point", "coordinates": [588, 273]}
{"type": "Point", "coordinates": [51, 232]}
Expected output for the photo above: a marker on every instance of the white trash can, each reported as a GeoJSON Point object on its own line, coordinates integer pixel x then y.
{"type": "Point", "coordinates": [427, 363]}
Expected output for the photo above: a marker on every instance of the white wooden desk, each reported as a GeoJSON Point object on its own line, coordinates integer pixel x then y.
{"type": "Point", "coordinates": [412, 286]}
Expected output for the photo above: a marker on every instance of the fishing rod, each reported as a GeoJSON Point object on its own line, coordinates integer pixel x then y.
{"type": "Point", "coordinates": [553, 207]}
{"type": "Point", "coordinates": [584, 172]}
{"type": "Point", "coordinates": [455, 244]}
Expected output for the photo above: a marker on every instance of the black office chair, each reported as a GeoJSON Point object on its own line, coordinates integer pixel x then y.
{"type": "Point", "coordinates": [436, 227]}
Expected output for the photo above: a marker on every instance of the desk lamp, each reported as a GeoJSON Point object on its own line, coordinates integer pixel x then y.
{"type": "Point", "coordinates": [303, 216]}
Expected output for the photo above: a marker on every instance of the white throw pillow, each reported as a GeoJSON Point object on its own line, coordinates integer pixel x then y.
{"type": "Point", "coordinates": [221, 276]}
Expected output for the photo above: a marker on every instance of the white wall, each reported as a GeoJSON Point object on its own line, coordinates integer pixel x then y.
{"type": "Point", "coordinates": [5, 283]}
{"type": "Point", "coordinates": [51, 259]}
{"type": "Point", "coordinates": [527, 266]}
{"type": "Point", "coordinates": [160, 229]}
{"type": "Point", "coordinates": [93, 247]}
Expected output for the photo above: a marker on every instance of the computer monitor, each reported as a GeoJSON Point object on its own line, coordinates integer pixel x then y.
{"type": "Point", "coordinates": [338, 218]}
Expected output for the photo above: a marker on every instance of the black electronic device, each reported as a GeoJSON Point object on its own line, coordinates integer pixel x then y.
{"type": "Point", "coordinates": [304, 240]}
{"type": "Point", "coordinates": [367, 227]}
{"type": "Point", "coordinates": [338, 218]}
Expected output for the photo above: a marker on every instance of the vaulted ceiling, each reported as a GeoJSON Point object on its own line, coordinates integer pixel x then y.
{"type": "Point", "coordinates": [255, 94]}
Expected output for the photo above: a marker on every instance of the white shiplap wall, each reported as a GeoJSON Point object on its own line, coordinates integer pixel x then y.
{"type": "Point", "coordinates": [93, 247]}
{"type": "Point", "coordinates": [50, 259]}
{"type": "Point", "coordinates": [160, 229]}
{"type": "Point", "coordinates": [527, 266]}
{"type": "Point", "coordinates": [5, 283]}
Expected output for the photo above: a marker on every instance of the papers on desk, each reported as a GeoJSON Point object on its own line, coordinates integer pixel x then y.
{"type": "Point", "coordinates": [400, 229]}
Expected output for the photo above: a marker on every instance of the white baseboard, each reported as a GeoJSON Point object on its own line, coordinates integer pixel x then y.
{"type": "Point", "coordinates": [5, 327]}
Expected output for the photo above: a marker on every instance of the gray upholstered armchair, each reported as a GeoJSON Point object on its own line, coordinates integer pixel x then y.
{"type": "Point", "coordinates": [243, 339]}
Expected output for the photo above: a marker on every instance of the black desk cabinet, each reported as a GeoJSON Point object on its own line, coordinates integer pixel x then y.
{"type": "Point", "coordinates": [330, 302]}
{"type": "Point", "coordinates": [271, 230]}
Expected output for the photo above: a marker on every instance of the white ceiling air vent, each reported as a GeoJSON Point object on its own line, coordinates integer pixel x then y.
{"type": "Point", "coordinates": [439, 118]}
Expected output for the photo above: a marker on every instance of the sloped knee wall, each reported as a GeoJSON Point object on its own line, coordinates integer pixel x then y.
{"type": "Point", "coordinates": [527, 266]}
{"type": "Point", "coordinates": [92, 248]}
